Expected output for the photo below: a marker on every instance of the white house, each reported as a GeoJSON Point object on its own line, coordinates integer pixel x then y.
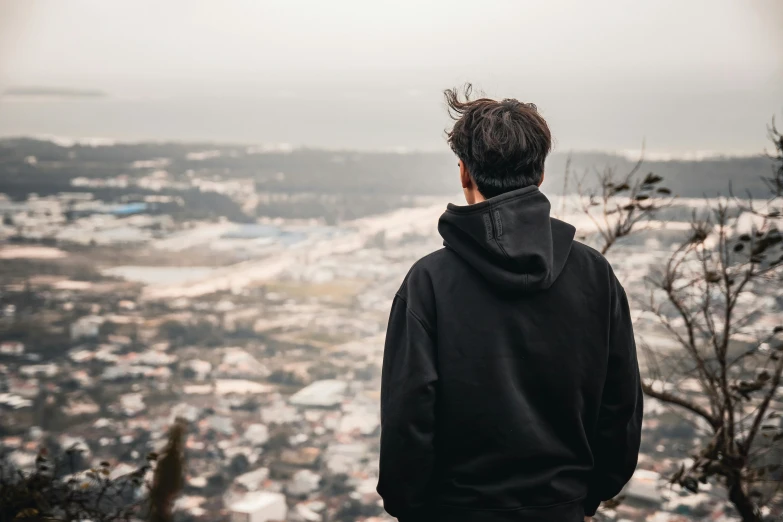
{"type": "Point", "coordinates": [257, 434]}
{"type": "Point", "coordinates": [260, 506]}
{"type": "Point", "coordinates": [87, 326]}
{"type": "Point", "coordinates": [320, 394]}
{"type": "Point", "coordinates": [11, 348]}
{"type": "Point", "coordinates": [303, 482]}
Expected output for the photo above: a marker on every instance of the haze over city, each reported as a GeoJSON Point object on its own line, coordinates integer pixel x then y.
{"type": "Point", "coordinates": [369, 75]}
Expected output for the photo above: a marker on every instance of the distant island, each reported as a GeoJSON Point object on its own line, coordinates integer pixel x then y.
{"type": "Point", "coordinates": [52, 92]}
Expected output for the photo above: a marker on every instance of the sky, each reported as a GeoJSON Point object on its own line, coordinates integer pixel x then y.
{"type": "Point", "coordinates": [681, 76]}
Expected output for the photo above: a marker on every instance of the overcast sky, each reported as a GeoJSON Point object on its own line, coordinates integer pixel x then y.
{"type": "Point", "coordinates": [684, 75]}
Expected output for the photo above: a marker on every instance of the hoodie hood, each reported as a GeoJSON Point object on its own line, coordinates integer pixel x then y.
{"type": "Point", "coordinates": [510, 239]}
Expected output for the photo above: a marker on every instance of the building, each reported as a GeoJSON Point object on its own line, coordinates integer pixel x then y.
{"type": "Point", "coordinates": [260, 506]}
{"type": "Point", "coordinates": [87, 326]}
{"type": "Point", "coordinates": [132, 404]}
{"type": "Point", "coordinates": [257, 434]}
{"type": "Point", "coordinates": [239, 363]}
{"type": "Point", "coordinates": [642, 490]}
{"type": "Point", "coordinates": [320, 394]}
{"type": "Point", "coordinates": [253, 480]}
{"type": "Point", "coordinates": [11, 348]}
{"type": "Point", "coordinates": [304, 482]}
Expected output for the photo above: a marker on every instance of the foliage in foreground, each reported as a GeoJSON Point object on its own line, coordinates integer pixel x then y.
{"type": "Point", "coordinates": [54, 491]}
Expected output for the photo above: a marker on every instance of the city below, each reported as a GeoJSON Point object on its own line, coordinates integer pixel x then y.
{"type": "Point", "coordinates": [142, 284]}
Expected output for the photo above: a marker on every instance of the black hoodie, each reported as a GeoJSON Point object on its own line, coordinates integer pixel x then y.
{"type": "Point", "coordinates": [511, 389]}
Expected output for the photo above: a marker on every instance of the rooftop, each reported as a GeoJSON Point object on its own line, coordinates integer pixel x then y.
{"type": "Point", "coordinates": [324, 393]}
{"type": "Point", "coordinates": [252, 502]}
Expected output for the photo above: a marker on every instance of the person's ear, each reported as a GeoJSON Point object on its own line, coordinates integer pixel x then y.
{"type": "Point", "coordinates": [464, 176]}
{"type": "Point", "coordinates": [543, 174]}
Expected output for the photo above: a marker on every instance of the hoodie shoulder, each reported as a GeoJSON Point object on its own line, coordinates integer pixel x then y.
{"type": "Point", "coordinates": [420, 274]}
{"type": "Point", "coordinates": [588, 253]}
{"type": "Point", "coordinates": [592, 261]}
{"type": "Point", "coordinates": [417, 289]}
{"type": "Point", "coordinates": [432, 261]}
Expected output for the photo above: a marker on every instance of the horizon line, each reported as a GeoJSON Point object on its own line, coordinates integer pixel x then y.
{"type": "Point", "coordinates": [284, 147]}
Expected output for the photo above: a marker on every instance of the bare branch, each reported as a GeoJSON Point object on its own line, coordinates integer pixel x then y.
{"type": "Point", "coordinates": [682, 402]}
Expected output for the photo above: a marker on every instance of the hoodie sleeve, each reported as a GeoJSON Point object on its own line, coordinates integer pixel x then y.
{"type": "Point", "coordinates": [407, 413]}
{"type": "Point", "coordinates": [616, 441]}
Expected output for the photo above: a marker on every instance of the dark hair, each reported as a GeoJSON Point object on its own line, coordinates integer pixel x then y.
{"type": "Point", "coordinates": [503, 144]}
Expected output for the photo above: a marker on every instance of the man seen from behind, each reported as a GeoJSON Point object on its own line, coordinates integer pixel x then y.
{"type": "Point", "coordinates": [510, 388]}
